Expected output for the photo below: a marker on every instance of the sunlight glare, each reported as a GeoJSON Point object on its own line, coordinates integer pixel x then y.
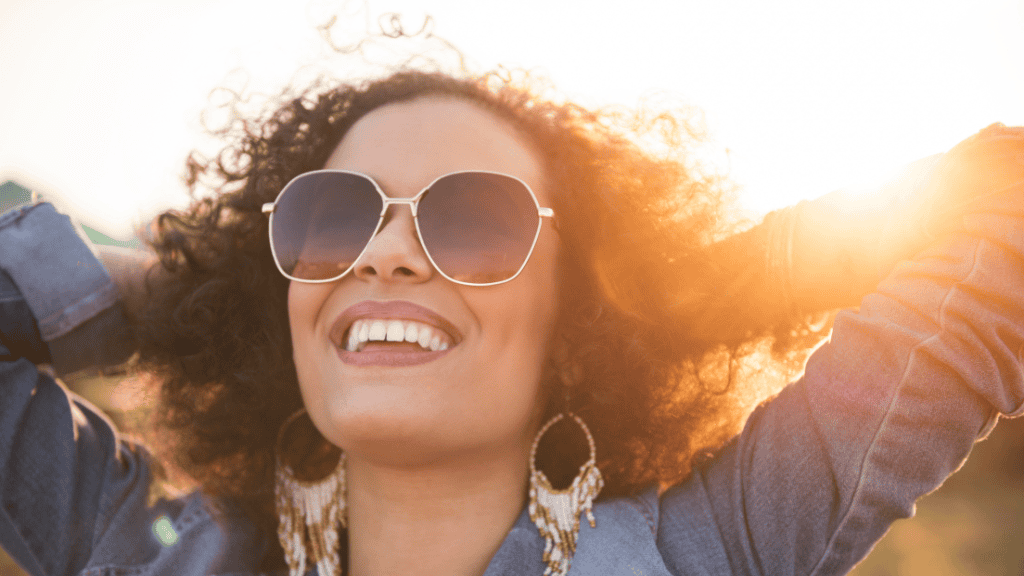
{"type": "Point", "coordinates": [800, 97]}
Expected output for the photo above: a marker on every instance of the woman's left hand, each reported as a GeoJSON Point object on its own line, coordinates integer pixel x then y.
{"type": "Point", "coordinates": [842, 245]}
{"type": "Point", "coordinates": [128, 269]}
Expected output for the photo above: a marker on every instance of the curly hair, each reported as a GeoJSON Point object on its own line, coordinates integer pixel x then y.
{"type": "Point", "coordinates": [666, 328]}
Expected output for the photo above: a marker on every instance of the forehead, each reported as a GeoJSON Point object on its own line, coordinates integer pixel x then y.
{"type": "Point", "coordinates": [405, 146]}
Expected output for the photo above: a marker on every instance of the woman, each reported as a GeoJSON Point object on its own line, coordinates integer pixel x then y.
{"type": "Point", "coordinates": [555, 297]}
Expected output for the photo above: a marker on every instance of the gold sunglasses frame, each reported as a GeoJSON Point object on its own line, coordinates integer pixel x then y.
{"type": "Point", "coordinates": [413, 203]}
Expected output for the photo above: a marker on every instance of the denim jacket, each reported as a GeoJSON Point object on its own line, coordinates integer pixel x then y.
{"type": "Point", "coordinates": [885, 411]}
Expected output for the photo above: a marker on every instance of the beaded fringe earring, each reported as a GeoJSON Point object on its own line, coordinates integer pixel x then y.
{"type": "Point", "coordinates": [309, 513]}
{"type": "Point", "coordinates": [557, 512]}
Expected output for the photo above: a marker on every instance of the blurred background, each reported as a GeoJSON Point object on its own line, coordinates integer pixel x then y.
{"type": "Point", "coordinates": [100, 102]}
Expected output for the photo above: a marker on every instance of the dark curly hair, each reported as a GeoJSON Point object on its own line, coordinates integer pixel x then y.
{"type": "Point", "coordinates": [667, 329]}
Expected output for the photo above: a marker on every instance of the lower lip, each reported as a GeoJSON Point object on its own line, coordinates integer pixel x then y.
{"type": "Point", "coordinates": [389, 357]}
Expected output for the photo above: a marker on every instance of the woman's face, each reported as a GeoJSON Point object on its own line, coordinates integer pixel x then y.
{"type": "Point", "coordinates": [393, 402]}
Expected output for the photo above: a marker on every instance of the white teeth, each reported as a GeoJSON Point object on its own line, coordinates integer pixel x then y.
{"type": "Point", "coordinates": [365, 330]}
{"type": "Point", "coordinates": [377, 330]}
{"type": "Point", "coordinates": [353, 340]}
{"type": "Point", "coordinates": [396, 332]}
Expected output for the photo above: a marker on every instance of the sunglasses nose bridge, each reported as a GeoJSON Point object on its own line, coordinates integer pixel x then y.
{"type": "Point", "coordinates": [395, 246]}
{"type": "Point", "coordinates": [412, 203]}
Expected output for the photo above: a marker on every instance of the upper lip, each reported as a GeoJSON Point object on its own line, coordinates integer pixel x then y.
{"type": "Point", "coordinates": [393, 310]}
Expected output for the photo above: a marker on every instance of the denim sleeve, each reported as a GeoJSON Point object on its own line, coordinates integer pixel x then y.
{"type": "Point", "coordinates": [884, 412]}
{"type": "Point", "coordinates": [60, 459]}
{"type": "Point", "coordinates": [58, 303]}
{"type": "Point", "coordinates": [75, 496]}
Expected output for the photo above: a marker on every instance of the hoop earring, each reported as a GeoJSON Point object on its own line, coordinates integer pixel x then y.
{"type": "Point", "coordinates": [556, 513]}
{"type": "Point", "coordinates": [309, 513]}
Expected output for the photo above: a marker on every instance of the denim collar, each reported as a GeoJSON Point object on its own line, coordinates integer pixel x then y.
{"type": "Point", "coordinates": [624, 542]}
{"type": "Point", "coordinates": [521, 552]}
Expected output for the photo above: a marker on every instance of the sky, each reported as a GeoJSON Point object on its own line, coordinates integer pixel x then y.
{"type": "Point", "coordinates": [100, 101]}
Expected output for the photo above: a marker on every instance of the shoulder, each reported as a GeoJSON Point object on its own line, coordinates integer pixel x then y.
{"type": "Point", "coordinates": [624, 540]}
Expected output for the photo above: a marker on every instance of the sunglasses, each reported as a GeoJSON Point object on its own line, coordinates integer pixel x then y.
{"type": "Point", "coordinates": [477, 228]}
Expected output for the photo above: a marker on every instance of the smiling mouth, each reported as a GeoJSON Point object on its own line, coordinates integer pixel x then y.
{"type": "Point", "coordinates": [392, 342]}
{"type": "Point", "coordinates": [392, 334]}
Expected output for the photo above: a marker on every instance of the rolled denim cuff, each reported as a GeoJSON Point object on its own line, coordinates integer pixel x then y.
{"type": "Point", "coordinates": [62, 282]}
{"type": "Point", "coordinates": [18, 332]}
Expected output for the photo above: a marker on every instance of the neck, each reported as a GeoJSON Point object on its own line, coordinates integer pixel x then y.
{"type": "Point", "coordinates": [449, 517]}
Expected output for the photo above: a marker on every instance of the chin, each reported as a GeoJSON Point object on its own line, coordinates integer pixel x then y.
{"type": "Point", "coordinates": [386, 424]}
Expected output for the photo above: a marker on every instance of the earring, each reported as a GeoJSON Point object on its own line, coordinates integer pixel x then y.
{"type": "Point", "coordinates": [309, 513]}
{"type": "Point", "coordinates": [557, 512]}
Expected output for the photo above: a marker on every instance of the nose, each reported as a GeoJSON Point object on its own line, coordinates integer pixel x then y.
{"type": "Point", "coordinates": [395, 253]}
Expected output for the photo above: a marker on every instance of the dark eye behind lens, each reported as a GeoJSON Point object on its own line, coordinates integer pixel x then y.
{"type": "Point", "coordinates": [323, 222]}
{"type": "Point", "coordinates": [478, 227]}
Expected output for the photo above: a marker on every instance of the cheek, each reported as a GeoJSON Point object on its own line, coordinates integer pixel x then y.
{"type": "Point", "coordinates": [305, 301]}
{"type": "Point", "coordinates": [304, 304]}
{"type": "Point", "coordinates": [522, 319]}
{"type": "Point", "coordinates": [298, 308]}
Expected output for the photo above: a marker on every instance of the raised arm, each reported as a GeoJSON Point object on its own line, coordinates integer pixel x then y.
{"type": "Point", "coordinates": [886, 409]}
{"type": "Point", "coordinates": [830, 252]}
{"type": "Point", "coordinates": [75, 495]}
{"type": "Point", "coordinates": [60, 307]}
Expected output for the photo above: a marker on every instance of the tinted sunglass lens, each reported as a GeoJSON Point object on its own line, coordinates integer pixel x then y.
{"type": "Point", "coordinates": [322, 223]}
{"type": "Point", "coordinates": [478, 227]}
